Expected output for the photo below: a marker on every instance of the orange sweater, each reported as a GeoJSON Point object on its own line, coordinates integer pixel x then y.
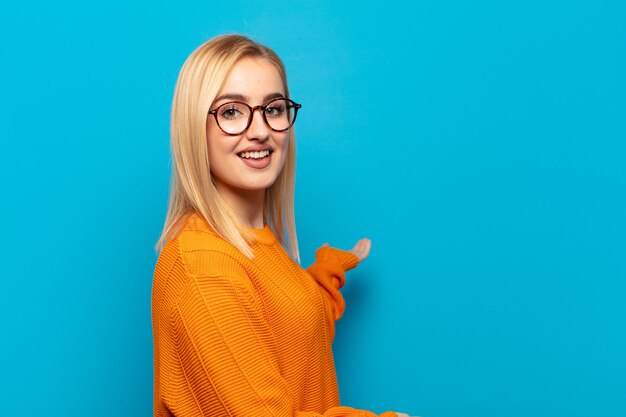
{"type": "Point", "coordinates": [241, 337]}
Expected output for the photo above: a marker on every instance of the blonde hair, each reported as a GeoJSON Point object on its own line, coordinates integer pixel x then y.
{"type": "Point", "coordinates": [192, 190]}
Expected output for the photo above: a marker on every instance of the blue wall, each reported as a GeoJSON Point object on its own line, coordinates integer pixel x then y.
{"type": "Point", "coordinates": [480, 145]}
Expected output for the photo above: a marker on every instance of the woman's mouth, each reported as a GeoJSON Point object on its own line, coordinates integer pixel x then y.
{"type": "Point", "coordinates": [256, 159]}
{"type": "Point", "coordinates": [254, 154]}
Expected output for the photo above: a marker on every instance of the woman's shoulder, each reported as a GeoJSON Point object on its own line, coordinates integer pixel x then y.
{"type": "Point", "coordinates": [196, 233]}
{"type": "Point", "coordinates": [202, 250]}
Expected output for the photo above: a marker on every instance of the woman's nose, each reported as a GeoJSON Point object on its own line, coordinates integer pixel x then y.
{"type": "Point", "coordinates": [258, 129]}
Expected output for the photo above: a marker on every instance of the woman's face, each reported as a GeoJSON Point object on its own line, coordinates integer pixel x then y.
{"type": "Point", "coordinates": [241, 162]}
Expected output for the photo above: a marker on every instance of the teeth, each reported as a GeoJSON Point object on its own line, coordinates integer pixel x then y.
{"type": "Point", "coordinates": [255, 155]}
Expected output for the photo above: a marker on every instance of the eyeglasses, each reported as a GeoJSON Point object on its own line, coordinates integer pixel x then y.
{"type": "Point", "coordinates": [234, 117]}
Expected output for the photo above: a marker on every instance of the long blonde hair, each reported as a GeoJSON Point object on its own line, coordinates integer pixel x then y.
{"type": "Point", "coordinates": [192, 190]}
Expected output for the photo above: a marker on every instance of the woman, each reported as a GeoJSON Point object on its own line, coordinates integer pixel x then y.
{"type": "Point", "coordinates": [240, 329]}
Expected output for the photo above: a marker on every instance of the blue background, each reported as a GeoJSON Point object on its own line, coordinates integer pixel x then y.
{"type": "Point", "coordinates": [479, 144]}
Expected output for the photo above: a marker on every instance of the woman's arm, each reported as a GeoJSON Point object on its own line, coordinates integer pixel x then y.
{"type": "Point", "coordinates": [226, 351]}
{"type": "Point", "coordinates": [329, 271]}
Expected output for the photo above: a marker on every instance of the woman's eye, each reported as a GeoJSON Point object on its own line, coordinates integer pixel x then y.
{"type": "Point", "coordinates": [275, 111]}
{"type": "Point", "coordinates": [230, 113]}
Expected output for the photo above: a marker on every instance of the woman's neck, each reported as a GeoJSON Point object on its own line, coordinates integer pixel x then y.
{"type": "Point", "coordinates": [246, 204]}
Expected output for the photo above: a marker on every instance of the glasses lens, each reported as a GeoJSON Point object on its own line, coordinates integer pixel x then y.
{"type": "Point", "coordinates": [280, 114]}
{"type": "Point", "coordinates": [233, 117]}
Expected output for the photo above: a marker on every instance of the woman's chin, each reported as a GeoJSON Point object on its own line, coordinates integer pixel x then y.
{"type": "Point", "coordinates": [250, 186]}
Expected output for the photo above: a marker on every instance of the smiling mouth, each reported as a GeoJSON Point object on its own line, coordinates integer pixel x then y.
{"type": "Point", "coordinates": [255, 154]}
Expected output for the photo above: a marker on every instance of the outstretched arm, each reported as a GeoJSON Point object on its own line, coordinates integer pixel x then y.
{"type": "Point", "coordinates": [329, 271]}
{"type": "Point", "coordinates": [226, 351]}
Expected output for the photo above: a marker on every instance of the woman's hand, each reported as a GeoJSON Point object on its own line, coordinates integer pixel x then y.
{"type": "Point", "coordinates": [361, 249]}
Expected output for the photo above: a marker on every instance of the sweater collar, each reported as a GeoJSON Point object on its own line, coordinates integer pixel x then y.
{"type": "Point", "coordinates": [264, 235]}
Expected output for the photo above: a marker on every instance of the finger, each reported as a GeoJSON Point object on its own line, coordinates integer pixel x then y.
{"type": "Point", "coordinates": [365, 244]}
{"type": "Point", "coordinates": [360, 244]}
{"type": "Point", "coordinates": [362, 249]}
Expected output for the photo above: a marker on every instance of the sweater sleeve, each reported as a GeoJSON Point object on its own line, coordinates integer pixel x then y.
{"type": "Point", "coordinates": [227, 351]}
{"type": "Point", "coordinates": [329, 271]}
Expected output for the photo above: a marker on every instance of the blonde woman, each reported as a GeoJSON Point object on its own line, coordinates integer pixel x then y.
{"type": "Point", "coordinates": [240, 329]}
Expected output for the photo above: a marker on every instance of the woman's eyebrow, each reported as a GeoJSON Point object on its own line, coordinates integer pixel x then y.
{"type": "Point", "coordinates": [273, 95]}
{"type": "Point", "coordinates": [241, 97]}
{"type": "Point", "coordinates": [232, 97]}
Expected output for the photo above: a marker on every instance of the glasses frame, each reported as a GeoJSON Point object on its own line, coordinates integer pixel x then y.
{"type": "Point", "coordinates": [290, 103]}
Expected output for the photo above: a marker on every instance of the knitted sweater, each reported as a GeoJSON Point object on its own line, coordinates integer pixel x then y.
{"type": "Point", "coordinates": [241, 337]}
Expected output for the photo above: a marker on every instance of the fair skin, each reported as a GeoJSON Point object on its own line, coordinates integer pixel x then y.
{"type": "Point", "coordinates": [242, 185]}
